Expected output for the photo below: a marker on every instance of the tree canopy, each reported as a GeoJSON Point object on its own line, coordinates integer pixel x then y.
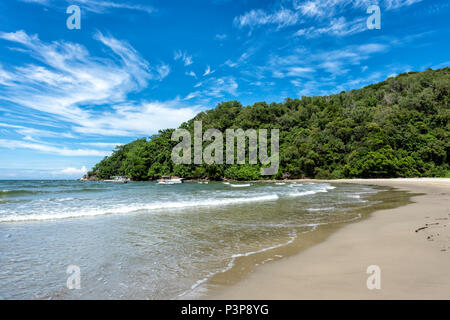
{"type": "Point", "coordinates": [396, 128]}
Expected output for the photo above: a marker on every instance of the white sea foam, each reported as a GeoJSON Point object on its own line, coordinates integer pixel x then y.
{"type": "Point", "coordinates": [240, 185]}
{"type": "Point", "coordinates": [303, 193]}
{"type": "Point", "coordinates": [123, 209]}
{"type": "Point", "coordinates": [238, 255]}
{"type": "Point", "coordinates": [311, 192]}
{"type": "Point", "coordinates": [320, 209]}
{"type": "Point", "coordinates": [64, 199]}
{"type": "Point", "coordinates": [230, 265]}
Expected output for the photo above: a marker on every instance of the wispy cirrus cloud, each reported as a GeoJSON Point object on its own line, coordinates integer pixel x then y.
{"type": "Point", "coordinates": [183, 56]}
{"type": "Point", "coordinates": [68, 76]}
{"type": "Point", "coordinates": [99, 6]}
{"type": "Point", "coordinates": [214, 88]}
{"type": "Point", "coordinates": [43, 2]}
{"type": "Point", "coordinates": [96, 6]}
{"type": "Point", "coordinates": [208, 71]}
{"type": "Point", "coordinates": [66, 83]}
{"type": "Point", "coordinates": [292, 71]}
{"type": "Point", "coordinates": [220, 36]}
{"type": "Point", "coordinates": [145, 118]}
{"type": "Point", "coordinates": [52, 149]}
{"type": "Point", "coordinates": [327, 8]}
{"type": "Point", "coordinates": [36, 133]}
{"type": "Point", "coordinates": [316, 12]}
{"type": "Point", "coordinates": [191, 74]}
{"type": "Point", "coordinates": [334, 62]}
{"type": "Point", "coordinates": [281, 18]}
{"type": "Point", "coordinates": [337, 27]}
{"type": "Point", "coordinates": [107, 145]}
{"type": "Point", "coordinates": [395, 4]}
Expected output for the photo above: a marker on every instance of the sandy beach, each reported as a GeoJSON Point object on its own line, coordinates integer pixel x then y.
{"type": "Point", "coordinates": [410, 244]}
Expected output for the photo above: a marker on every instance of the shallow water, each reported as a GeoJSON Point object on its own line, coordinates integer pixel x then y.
{"type": "Point", "coordinates": [149, 241]}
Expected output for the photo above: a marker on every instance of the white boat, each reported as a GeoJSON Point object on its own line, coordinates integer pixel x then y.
{"type": "Point", "coordinates": [169, 180]}
{"type": "Point", "coordinates": [118, 179]}
{"type": "Point", "coordinates": [240, 185]}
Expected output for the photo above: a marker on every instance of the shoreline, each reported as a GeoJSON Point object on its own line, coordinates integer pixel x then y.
{"type": "Point", "coordinates": [349, 180]}
{"type": "Point", "coordinates": [414, 262]}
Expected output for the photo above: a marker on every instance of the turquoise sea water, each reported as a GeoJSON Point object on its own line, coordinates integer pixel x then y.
{"type": "Point", "coordinates": [142, 240]}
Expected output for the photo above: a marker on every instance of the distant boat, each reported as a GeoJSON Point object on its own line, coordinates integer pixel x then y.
{"type": "Point", "coordinates": [169, 180]}
{"type": "Point", "coordinates": [240, 185]}
{"type": "Point", "coordinates": [118, 179]}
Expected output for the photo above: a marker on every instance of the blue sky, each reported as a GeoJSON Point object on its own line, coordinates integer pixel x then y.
{"type": "Point", "coordinates": [67, 97]}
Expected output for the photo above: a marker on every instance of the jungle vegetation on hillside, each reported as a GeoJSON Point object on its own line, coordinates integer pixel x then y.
{"type": "Point", "coordinates": [396, 128]}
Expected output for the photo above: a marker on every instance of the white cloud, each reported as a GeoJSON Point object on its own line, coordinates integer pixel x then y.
{"type": "Point", "coordinates": [192, 95]}
{"type": "Point", "coordinates": [191, 73]}
{"type": "Point", "coordinates": [310, 8]}
{"type": "Point", "coordinates": [282, 17]}
{"type": "Point", "coordinates": [43, 2]}
{"type": "Point", "coordinates": [302, 64]}
{"type": "Point", "coordinates": [214, 88]}
{"type": "Point", "coordinates": [306, 11]}
{"type": "Point", "coordinates": [293, 71]}
{"type": "Point", "coordinates": [34, 132]}
{"type": "Point", "coordinates": [320, 9]}
{"type": "Point", "coordinates": [187, 59]}
{"type": "Point", "coordinates": [143, 119]}
{"type": "Point", "coordinates": [163, 70]}
{"type": "Point", "coordinates": [62, 151]}
{"type": "Point", "coordinates": [73, 171]}
{"type": "Point", "coordinates": [338, 61]}
{"type": "Point", "coordinates": [231, 64]}
{"type": "Point", "coordinates": [69, 78]}
{"type": "Point", "coordinates": [208, 71]}
{"type": "Point", "coordinates": [98, 6]}
{"type": "Point", "coordinates": [337, 27]}
{"type": "Point", "coordinates": [220, 36]}
{"type": "Point", "coordinates": [102, 144]}
{"type": "Point", "coordinates": [395, 4]}
{"type": "Point", "coordinates": [101, 6]}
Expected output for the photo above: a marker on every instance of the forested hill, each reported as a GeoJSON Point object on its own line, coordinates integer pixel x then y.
{"type": "Point", "coordinates": [396, 128]}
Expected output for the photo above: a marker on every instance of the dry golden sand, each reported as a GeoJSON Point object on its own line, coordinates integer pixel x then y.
{"type": "Point", "coordinates": [414, 264]}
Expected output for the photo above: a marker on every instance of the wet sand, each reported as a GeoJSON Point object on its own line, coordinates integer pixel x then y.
{"type": "Point", "coordinates": [410, 244]}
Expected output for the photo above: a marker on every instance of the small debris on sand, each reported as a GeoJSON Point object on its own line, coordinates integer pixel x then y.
{"type": "Point", "coordinates": [421, 229]}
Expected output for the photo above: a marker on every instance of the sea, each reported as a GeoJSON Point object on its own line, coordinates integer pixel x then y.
{"type": "Point", "coordinates": [142, 240]}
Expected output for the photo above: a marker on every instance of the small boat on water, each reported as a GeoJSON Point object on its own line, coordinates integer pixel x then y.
{"type": "Point", "coordinates": [240, 185]}
{"type": "Point", "coordinates": [118, 179]}
{"type": "Point", "coordinates": [169, 180]}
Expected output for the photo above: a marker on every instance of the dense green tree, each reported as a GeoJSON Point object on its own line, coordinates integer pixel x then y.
{"type": "Point", "coordinates": [396, 128]}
